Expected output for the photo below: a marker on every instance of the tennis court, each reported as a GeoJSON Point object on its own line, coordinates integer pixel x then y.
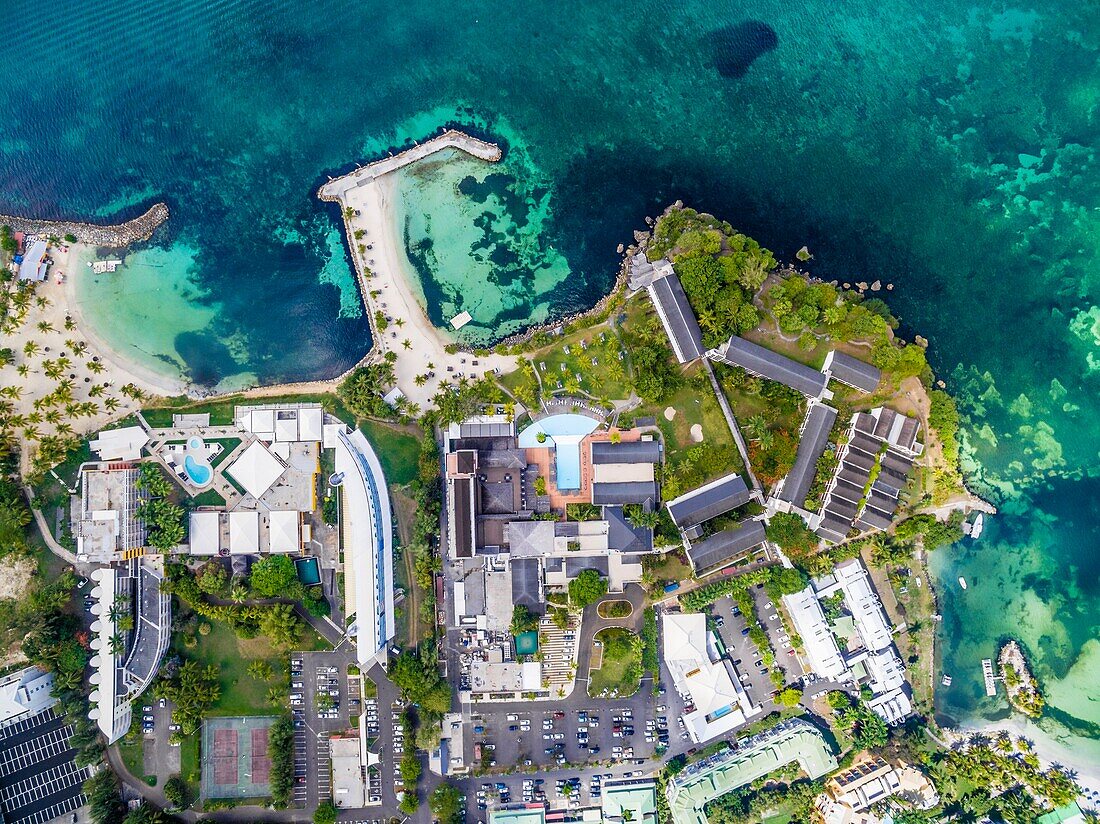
{"type": "Point", "coordinates": [235, 760]}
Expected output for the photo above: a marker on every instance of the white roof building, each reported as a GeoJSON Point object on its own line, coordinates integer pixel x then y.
{"type": "Point", "coordinates": [285, 531]}
{"type": "Point", "coordinates": [818, 640]}
{"type": "Point", "coordinates": [348, 789]}
{"type": "Point", "coordinates": [256, 469]}
{"type": "Point", "coordinates": [244, 533]}
{"type": "Point", "coordinates": [368, 546]}
{"type": "Point", "coordinates": [32, 267]}
{"type": "Point", "coordinates": [25, 693]}
{"type": "Point", "coordinates": [311, 423]}
{"type": "Point", "coordinates": [205, 533]}
{"type": "Point", "coordinates": [120, 444]}
{"type": "Point", "coordinates": [703, 678]}
{"type": "Point", "coordinates": [864, 604]}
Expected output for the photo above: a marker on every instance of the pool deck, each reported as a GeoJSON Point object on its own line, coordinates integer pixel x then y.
{"type": "Point", "coordinates": [543, 457]}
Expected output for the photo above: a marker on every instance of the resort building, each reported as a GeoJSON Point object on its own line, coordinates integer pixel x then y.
{"type": "Point", "coordinates": [872, 470]}
{"type": "Point", "coordinates": [348, 788]}
{"type": "Point", "coordinates": [698, 506]}
{"type": "Point", "coordinates": [874, 779]}
{"type": "Point", "coordinates": [714, 700]}
{"type": "Point", "coordinates": [449, 757]}
{"type": "Point", "coordinates": [812, 440]}
{"type": "Point", "coordinates": [33, 264]}
{"type": "Point", "coordinates": [851, 371]}
{"type": "Point", "coordinates": [24, 693]}
{"type": "Point", "coordinates": [106, 527]}
{"type": "Point", "coordinates": [125, 662]}
{"type": "Point", "coordinates": [757, 360]}
{"type": "Point", "coordinates": [123, 444]}
{"type": "Point", "coordinates": [673, 308]}
{"type": "Point", "coordinates": [629, 801]}
{"type": "Point", "coordinates": [518, 814]}
{"type": "Point", "coordinates": [624, 472]}
{"type": "Point", "coordinates": [727, 547]}
{"type": "Point", "coordinates": [367, 530]}
{"type": "Point", "coordinates": [791, 741]}
{"type": "Point", "coordinates": [857, 647]}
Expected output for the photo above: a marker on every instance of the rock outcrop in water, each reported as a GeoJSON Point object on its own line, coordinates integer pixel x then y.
{"type": "Point", "coordinates": [115, 236]}
{"type": "Point", "coordinates": [1020, 684]}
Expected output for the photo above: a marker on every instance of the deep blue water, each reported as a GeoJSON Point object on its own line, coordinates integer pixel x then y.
{"type": "Point", "coordinates": [946, 147]}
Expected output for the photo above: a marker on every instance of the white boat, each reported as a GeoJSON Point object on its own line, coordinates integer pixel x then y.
{"type": "Point", "coordinates": [962, 582]}
{"type": "Point", "coordinates": [976, 529]}
{"type": "Point", "coordinates": [946, 680]}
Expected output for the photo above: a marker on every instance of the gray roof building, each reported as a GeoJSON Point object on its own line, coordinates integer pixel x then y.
{"type": "Point", "coordinates": [622, 536]}
{"type": "Point", "coordinates": [852, 371]}
{"type": "Point", "coordinates": [811, 445]}
{"type": "Point", "coordinates": [724, 547]}
{"type": "Point", "coordinates": [674, 310]}
{"type": "Point", "coordinates": [709, 501]}
{"type": "Point", "coordinates": [605, 452]}
{"type": "Point", "coordinates": [757, 360]}
{"type": "Point", "coordinates": [624, 492]}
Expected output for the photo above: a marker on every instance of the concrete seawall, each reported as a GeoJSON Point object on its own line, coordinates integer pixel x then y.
{"type": "Point", "coordinates": [450, 139]}
{"type": "Point", "coordinates": [114, 236]}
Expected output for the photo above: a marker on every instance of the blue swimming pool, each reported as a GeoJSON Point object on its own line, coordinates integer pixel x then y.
{"type": "Point", "coordinates": [562, 433]}
{"type": "Point", "coordinates": [199, 474]}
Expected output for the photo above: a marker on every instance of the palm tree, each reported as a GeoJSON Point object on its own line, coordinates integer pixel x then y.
{"type": "Point", "coordinates": [14, 392]}
{"type": "Point", "coordinates": [23, 369]}
{"type": "Point", "coordinates": [70, 324]}
{"type": "Point", "coordinates": [31, 433]}
{"type": "Point", "coordinates": [96, 390]}
{"type": "Point", "coordinates": [65, 428]}
{"type": "Point", "coordinates": [407, 343]}
{"type": "Point", "coordinates": [111, 404]}
{"type": "Point", "coordinates": [95, 367]}
{"type": "Point", "coordinates": [53, 417]}
{"type": "Point", "coordinates": [116, 644]}
{"type": "Point", "coordinates": [31, 348]}
{"type": "Point", "coordinates": [420, 380]}
{"type": "Point", "coordinates": [42, 301]}
{"type": "Point", "coordinates": [44, 327]}
{"type": "Point", "coordinates": [756, 425]}
{"type": "Point", "coordinates": [399, 322]}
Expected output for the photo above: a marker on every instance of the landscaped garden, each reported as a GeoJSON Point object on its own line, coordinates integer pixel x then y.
{"type": "Point", "coordinates": [614, 609]}
{"type": "Point", "coordinates": [620, 664]}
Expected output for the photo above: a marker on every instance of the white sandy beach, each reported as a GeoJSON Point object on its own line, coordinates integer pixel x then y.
{"type": "Point", "coordinates": [392, 274]}
{"type": "Point", "coordinates": [52, 341]}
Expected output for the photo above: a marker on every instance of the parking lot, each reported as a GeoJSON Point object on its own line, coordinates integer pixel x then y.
{"type": "Point", "coordinates": [319, 705]}
{"type": "Point", "coordinates": [38, 779]}
{"type": "Point", "coordinates": [733, 630]}
{"type": "Point", "coordinates": [585, 731]}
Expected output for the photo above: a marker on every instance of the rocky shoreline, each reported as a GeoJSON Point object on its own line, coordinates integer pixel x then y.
{"type": "Point", "coordinates": [112, 236]}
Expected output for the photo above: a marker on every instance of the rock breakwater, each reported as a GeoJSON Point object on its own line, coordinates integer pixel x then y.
{"type": "Point", "coordinates": [113, 236]}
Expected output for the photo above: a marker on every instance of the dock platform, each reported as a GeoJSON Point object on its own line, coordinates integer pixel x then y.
{"type": "Point", "coordinates": [990, 680]}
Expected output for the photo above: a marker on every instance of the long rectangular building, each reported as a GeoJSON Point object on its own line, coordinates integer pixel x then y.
{"type": "Point", "coordinates": [723, 548]}
{"type": "Point", "coordinates": [709, 501]}
{"type": "Point", "coordinates": [674, 310]}
{"type": "Point", "coordinates": [851, 371]}
{"type": "Point", "coordinates": [811, 446]}
{"type": "Point", "coordinates": [758, 360]}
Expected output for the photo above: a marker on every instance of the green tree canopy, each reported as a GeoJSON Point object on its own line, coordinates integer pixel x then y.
{"type": "Point", "coordinates": [587, 588]}
{"type": "Point", "coordinates": [446, 803]}
{"type": "Point", "coordinates": [275, 577]}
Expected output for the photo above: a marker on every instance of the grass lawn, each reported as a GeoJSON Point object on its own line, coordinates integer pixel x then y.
{"type": "Point", "coordinates": [397, 447]}
{"type": "Point", "coordinates": [668, 567]}
{"type": "Point", "coordinates": [133, 756]}
{"type": "Point", "coordinates": [227, 445]}
{"type": "Point", "coordinates": [620, 671]}
{"type": "Point", "coordinates": [189, 764]}
{"type": "Point", "coordinates": [210, 497]}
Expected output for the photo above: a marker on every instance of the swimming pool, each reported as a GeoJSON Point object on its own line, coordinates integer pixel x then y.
{"type": "Point", "coordinates": [562, 433]}
{"type": "Point", "coordinates": [309, 572]}
{"type": "Point", "coordinates": [200, 474]}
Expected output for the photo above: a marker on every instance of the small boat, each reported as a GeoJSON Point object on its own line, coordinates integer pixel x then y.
{"type": "Point", "coordinates": [962, 582]}
{"type": "Point", "coordinates": [946, 681]}
{"type": "Point", "coordinates": [976, 529]}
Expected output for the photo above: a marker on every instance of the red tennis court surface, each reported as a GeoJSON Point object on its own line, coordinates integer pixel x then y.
{"type": "Point", "coordinates": [225, 756]}
{"type": "Point", "coordinates": [261, 764]}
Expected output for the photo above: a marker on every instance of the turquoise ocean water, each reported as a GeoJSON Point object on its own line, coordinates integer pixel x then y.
{"type": "Point", "coordinates": [947, 147]}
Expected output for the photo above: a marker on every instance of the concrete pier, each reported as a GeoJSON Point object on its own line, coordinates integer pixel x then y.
{"type": "Point", "coordinates": [450, 139]}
